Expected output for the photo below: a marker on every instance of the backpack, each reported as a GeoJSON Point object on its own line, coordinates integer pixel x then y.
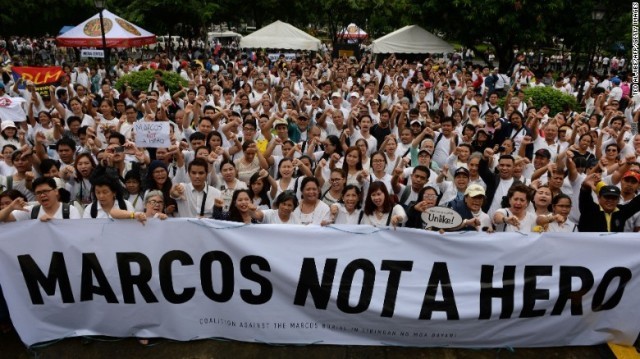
{"type": "Point", "coordinates": [35, 211]}
{"type": "Point", "coordinates": [94, 207]}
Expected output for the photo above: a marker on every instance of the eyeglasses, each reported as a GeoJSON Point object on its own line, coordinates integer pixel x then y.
{"type": "Point", "coordinates": [430, 196]}
{"type": "Point", "coordinates": [43, 192]}
{"type": "Point", "coordinates": [153, 202]}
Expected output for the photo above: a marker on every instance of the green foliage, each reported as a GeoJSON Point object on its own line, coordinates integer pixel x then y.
{"type": "Point", "coordinates": [140, 80]}
{"type": "Point", "coordinates": [555, 99]}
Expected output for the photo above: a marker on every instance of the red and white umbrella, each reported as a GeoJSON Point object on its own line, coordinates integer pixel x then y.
{"type": "Point", "coordinates": [352, 31]}
{"type": "Point", "coordinates": [118, 33]}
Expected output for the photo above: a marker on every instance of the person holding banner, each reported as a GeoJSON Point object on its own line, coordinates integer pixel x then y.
{"type": "Point", "coordinates": [153, 208]}
{"type": "Point", "coordinates": [347, 210]}
{"type": "Point", "coordinates": [49, 206]}
{"type": "Point", "coordinates": [106, 191]}
{"type": "Point", "coordinates": [285, 204]}
{"type": "Point", "coordinates": [558, 220]}
{"type": "Point", "coordinates": [240, 210]}
{"type": "Point", "coordinates": [379, 208]}
{"type": "Point", "coordinates": [516, 217]}
{"type": "Point", "coordinates": [195, 199]}
{"type": "Point", "coordinates": [312, 210]}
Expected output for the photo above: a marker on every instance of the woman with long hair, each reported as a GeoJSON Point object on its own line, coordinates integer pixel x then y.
{"type": "Point", "coordinates": [259, 187]}
{"type": "Point", "coordinates": [380, 209]}
{"type": "Point", "coordinates": [229, 183]}
{"type": "Point", "coordinates": [78, 183]}
{"type": "Point", "coordinates": [240, 210]}
{"type": "Point", "coordinates": [158, 178]}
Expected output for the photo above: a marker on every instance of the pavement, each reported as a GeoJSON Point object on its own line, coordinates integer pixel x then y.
{"type": "Point", "coordinates": [103, 347]}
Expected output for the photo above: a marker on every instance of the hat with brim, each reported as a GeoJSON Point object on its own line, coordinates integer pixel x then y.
{"type": "Point", "coordinates": [609, 191]}
{"type": "Point", "coordinates": [280, 121]}
{"type": "Point", "coordinates": [475, 190]}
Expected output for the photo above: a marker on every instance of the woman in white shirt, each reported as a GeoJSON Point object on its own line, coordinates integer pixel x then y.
{"type": "Point", "coordinates": [516, 218]}
{"type": "Point", "coordinates": [379, 209]}
{"type": "Point", "coordinates": [285, 204]}
{"type": "Point", "coordinates": [558, 220]}
{"type": "Point", "coordinates": [348, 210]}
{"type": "Point", "coordinates": [311, 210]}
{"type": "Point", "coordinates": [107, 192]}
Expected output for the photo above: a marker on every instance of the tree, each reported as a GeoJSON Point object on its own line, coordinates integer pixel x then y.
{"type": "Point", "coordinates": [37, 18]}
{"type": "Point", "coordinates": [503, 23]}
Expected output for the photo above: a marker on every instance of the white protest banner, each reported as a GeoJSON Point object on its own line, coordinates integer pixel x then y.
{"type": "Point", "coordinates": [193, 279]}
{"type": "Point", "coordinates": [152, 134]}
{"type": "Point", "coordinates": [86, 53]}
{"type": "Point", "coordinates": [288, 56]}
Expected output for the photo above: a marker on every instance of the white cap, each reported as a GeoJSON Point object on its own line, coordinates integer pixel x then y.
{"type": "Point", "coordinates": [6, 124]}
{"type": "Point", "coordinates": [354, 94]}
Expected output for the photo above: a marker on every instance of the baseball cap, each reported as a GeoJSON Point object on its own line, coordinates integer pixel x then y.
{"type": "Point", "coordinates": [461, 171]}
{"type": "Point", "coordinates": [543, 152]}
{"type": "Point", "coordinates": [615, 81]}
{"type": "Point", "coordinates": [6, 124]}
{"type": "Point", "coordinates": [424, 150]}
{"type": "Point", "coordinates": [628, 174]}
{"type": "Point", "coordinates": [280, 121]}
{"type": "Point", "coordinates": [474, 190]}
{"type": "Point", "coordinates": [354, 94]}
{"type": "Point", "coordinates": [416, 121]}
{"type": "Point", "coordinates": [609, 191]}
{"type": "Point", "coordinates": [336, 94]}
{"type": "Point", "coordinates": [427, 84]}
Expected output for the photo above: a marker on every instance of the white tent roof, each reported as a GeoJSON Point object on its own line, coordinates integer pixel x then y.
{"type": "Point", "coordinates": [280, 35]}
{"type": "Point", "coordinates": [411, 39]}
{"type": "Point", "coordinates": [118, 33]}
{"type": "Point", "coordinates": [220, 34]}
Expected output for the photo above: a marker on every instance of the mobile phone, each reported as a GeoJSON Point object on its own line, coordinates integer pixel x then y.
{"type": "Point", "coordinates": [119, 149]}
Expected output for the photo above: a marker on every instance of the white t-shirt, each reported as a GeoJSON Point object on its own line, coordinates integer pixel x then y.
{"type": "Point", "coordinates": [101, 213]}
{"type": "Point", "coordinates": [381, 222]}
{"type": "Point", "coordinates": [321, 213]}
{"type": "Point", "coordinates": [24, 215]}
{"type": "Point", "coordinates": [271, 217]}
{"type": "Point", "coordinates": [526, 224]}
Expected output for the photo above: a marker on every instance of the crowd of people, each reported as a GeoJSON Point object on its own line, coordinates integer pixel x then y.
{"type": "Point", "coordinates": [321, 140]}
{"type": "Point", "coordinates": [317, 140]}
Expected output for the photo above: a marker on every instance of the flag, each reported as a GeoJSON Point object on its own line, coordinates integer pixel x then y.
{"type": "Point", "coordinates": [11, 109]}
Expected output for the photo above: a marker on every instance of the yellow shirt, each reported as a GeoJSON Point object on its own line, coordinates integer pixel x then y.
{"type": "Point", "coordinates": [607, 217]}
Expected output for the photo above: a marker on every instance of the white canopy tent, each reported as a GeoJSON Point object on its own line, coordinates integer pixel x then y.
{"type": "Point", "coordinates": [411, 39]}
{"type": "Point", "coordinates": [118, 33]}
{"type": "Point", "coordinates": [280, 35]}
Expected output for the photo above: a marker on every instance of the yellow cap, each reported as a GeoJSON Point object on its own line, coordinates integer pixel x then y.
{"type": "Point", "coordinates": [599, 185]}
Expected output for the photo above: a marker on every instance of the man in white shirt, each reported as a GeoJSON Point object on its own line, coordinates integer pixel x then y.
{"type": "Point", "coordinates": [196, 199]}
{"type": "Point", "coordinates": [49, 206]}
